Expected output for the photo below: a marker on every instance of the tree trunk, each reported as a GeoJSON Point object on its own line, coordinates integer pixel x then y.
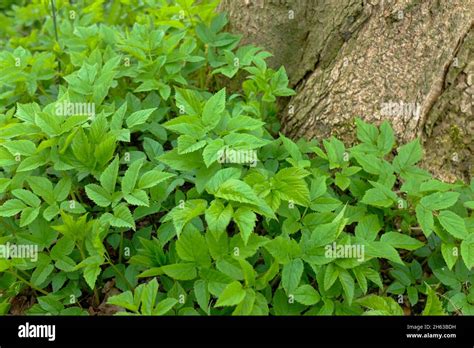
{"type": "Point", "coordinates": [408, 61]}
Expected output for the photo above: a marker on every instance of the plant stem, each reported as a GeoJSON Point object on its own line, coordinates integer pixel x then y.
{"type": "Point", "coordinates": [29, 283]}
{"type": "Point", "coordinates": [109, 261]}
{"type": "Point", "coordinates": [55, 31]}
{"type": "Point", "coordinates": [96, 297]}
{"type": "Point", "coordinates": [121, 247]}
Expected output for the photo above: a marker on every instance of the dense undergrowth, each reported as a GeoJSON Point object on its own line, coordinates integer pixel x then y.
{"type": "Point", "coordinates": [148, 187]}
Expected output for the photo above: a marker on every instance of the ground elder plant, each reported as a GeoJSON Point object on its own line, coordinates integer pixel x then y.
{"type": "Point", "coordinates": [135, 181]}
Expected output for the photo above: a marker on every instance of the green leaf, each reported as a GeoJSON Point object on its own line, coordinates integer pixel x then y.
{"type": "Point", "coordinates": [245, 219]}
{"type": "Point", "coordinates": [63, 247]}
{"type": "Point", "coordinates": [21, 147]}
{"type": "Point", "coordinates": [291, 225]}
{"type": "Point", "coordinates": [188, 144]}
{"type": "Point", "coordinates": [180, 271]}
{"type": "Point", "coordinates": [91, 272]}
{"type": "Point", "coordinates": [291, 275]}
{"type": "Point", "coordinates": [138, 197]}
{"type": "Point", "coordinates": [218, 217]}
{"type": "Point", "coordinates": [232, 295]}
{"type": "Point", "coordinates": [306, 295]}
{"type": "Point", "coordinates": [433, 304]}
{"type": "Point", "coordinates": [72, 207]}
{"type": "Point", "coordinates": [148, 297]}
{"type": "Point", "coordinates": [241, 122]}
{"type": "Point", "coordinates": [41, 272]}
{"type": "Point", "coordinates": [373, 276]}
{"type": "Point", "coordinates": [164, 306]}
{"type": "Point", "coordinates": [248, 272]}
{"type": "Point", "coordinates": [361, 279]}
{"type": "Point", "coordinates": [181, 215]}
{"type": "Point", "coordinates": [189, 100]}
{"type": "Point", "coordinates": [153, 178]}
{"type": "Point", "coordinates": [28, 215]}
{"type": "Point", "coordinates": [370, 163]}
{"type": "Point", "coordinates": [220, 177]}
{"type": "Point", "coordinates": [192, 246]}
{"type": "Point", "coordinates": [318, 187]}
{"type": "Point", "coordinates": [366, 132]}
{"type": "Point", "coordinates": [105, 150]}
{"type": "Point", "coordinates": [330, 276]}
{"type": "Point", "coordinates": [348, 284]}
{"type": "Point", "coordinates": [450, 254]}
{"type": "Point", "coordinates": [139, 117]}
{"type": "Point", "coordinates": [335, 152]}
{"type": "Point", "coordinates": [124, 300]}
{"type": "Point", "coordinates": [122, 217]}
{"type": "Point", "coordinates": [50, 212]}
{"type": "Point", "coordinates": [62, 189]}
{"type": "Point", "coordinates": [4, 308]}
{"type": "Point", "coordinates": [342, 181]}
{"type": "Point", "coordinates": [239, 191]}
{"type": "Point", "coordinates": [28, 197]}
{"type": "Point", "coordinates": [82, 148]}
{"type": "Point", "coordinates": [50, 304]}
{"type": "Point", "coordinates": [231, 268]}
{"type": "Point", "coordinates": [202, 294]}
{"type": "Point", "coordinates": [99, 195]}
{"type": "Point", "coordinates": [151, 272]}
{"type": "Point", "coordinates": [4, 183]}
{"type": "Point", "coordinates": [213, 109]}
{"type": "Point", "coordinates": [377, 198]}
{"type": "Point", "coordinates": [131, 175]}
{"type": "Point", "coordinates": [189, 125]}
{"type": "Point", "coordinates": [11, 207]}
{"type": "Point", "coordinates": [453, 223]}
{"type": "Point", "coordinates": [425, 219]}
{"type": "Point", "coordinates": [401, 241]}
{"type": "Point", "coordinates": [108, 178]}
{"type": "Point", "coordinates": [439, 200]}
{"type": "Point", "coordinates": [118, 116]}
{"type": "Point", "coordinates": [368, 227]}
{"type": "Point", "coordinates": [386, 139]}
{"type": "Point", "coordinates": [290, 183]}
{"type": "Point", "coordinates": [92, 269]}
{"type": "Point", "coordinates": [467, 251]}
{"type": "Point", "coordinates": [408, 155]}
{"type": "Point", "coordinates": [324, 234]}
{"type": "Point", "coordinates": [381, 249]}
{"type": "Point", "coordinates": [179, 162]}
{"type": "Point", "coordinates": [291, 147]}
{"type": "Point", "coordinates": [212, 151]}
{"type": "Point", "coordinates": [31, 163]}
{"type": "Point", "coordinates": [246, 142]}
{"type": "Point", "coordinates": [248, 305]}
{"type": "Point", "coordinates": [380, 305]}
{"type": "Point", "coordinates": [435, 185]}
{"type": "Point", "coordinates": [412, 293]}
{"type": "Point", "coordinates": [283, 249]}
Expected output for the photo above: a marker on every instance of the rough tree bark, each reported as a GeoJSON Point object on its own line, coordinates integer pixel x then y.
{"type": "Point", "coordinates": [409, 61]}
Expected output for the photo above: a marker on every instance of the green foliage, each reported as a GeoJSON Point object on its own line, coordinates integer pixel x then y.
{"type": "Point", "coordinates": [178, 195]}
